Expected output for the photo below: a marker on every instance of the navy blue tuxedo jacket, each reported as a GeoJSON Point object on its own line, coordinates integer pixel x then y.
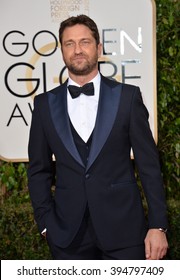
{"type": "Point", "coordinates": [108, 183]}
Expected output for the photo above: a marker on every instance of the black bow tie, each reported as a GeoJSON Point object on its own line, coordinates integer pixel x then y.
{"type": "Point", "coordinates": [87, 89]}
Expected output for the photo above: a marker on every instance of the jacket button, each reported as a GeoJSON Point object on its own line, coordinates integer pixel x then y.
{"type": "Point", "coordinates": [87, 176]}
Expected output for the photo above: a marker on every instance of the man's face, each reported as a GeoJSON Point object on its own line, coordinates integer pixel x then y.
{"type": "Point", "coordinates": [79, 50]}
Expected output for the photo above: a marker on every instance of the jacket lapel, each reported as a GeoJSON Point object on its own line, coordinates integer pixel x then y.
{"type": "Point", "coordinates": [58, 107]}
{"type": "Point", "coordinates": [110, 93]}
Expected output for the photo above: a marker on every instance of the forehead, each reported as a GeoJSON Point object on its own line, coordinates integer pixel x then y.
{"type": "Point", "coordinates": [76, 32]}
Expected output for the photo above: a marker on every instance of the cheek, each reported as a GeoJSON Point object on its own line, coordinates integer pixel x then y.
{"type": "Point", "coordinates": [65, 55]}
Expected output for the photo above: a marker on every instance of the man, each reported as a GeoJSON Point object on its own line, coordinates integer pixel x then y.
{"type": "Point", "coordinates": [95, 211]}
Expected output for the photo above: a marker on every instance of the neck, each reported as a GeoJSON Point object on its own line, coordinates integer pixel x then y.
{"type": "Point", "coordinates": [81, 80]}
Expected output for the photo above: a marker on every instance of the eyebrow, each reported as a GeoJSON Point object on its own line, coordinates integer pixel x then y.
{"type": "Point", "coordinates": [71, 40]}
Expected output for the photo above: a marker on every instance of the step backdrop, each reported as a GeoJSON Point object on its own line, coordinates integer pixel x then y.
{"type": "Point", "coordinates": [31, 61]}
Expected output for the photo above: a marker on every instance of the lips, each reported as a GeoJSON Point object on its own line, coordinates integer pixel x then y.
{"type": "Point", "coordinates": [78, 59]}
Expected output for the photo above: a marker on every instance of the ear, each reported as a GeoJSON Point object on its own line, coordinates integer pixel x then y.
{"type": "Point", "coordinates": [99, 49]}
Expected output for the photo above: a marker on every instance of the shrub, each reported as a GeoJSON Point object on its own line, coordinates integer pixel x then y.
{"type": "Point", "coordinates": [168, 88]}
{"type": "Point", "coordinates": [174, 230]}
{"type": "Point", "coordinates": [19, 236]}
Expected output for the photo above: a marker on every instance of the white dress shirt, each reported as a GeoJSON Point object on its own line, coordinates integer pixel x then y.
{"type": "Point", "coordinates": [83, 109]}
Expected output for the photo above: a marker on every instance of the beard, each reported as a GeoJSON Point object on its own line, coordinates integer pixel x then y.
{"type": "Point", "coordinates": [84, 68]}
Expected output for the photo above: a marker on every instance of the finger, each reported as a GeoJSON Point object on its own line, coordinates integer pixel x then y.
{"type": "Point", "coordinates": [147, 250]}
{"type": "Point", "coordinates": [163, 253]}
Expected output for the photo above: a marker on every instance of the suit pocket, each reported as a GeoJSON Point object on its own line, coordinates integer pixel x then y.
{"type": "Point", "coordinates": [122, 185]}
{"type": "Point", "coordinates": [127, 190]}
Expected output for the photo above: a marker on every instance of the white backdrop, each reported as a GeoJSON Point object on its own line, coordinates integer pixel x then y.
{"type": "Point", "coordinates": [31, 61]}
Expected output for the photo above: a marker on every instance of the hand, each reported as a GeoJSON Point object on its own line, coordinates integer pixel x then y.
{"type": "Point", "coordinates": [156, 244]}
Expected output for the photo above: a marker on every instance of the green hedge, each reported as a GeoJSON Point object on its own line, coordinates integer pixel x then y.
{"type": "Point", "coordinates": [18, 232]}
{"type": "Point", "coordinates": [19, 237]}
{"type": "Point", "coordinates": [168, 90]}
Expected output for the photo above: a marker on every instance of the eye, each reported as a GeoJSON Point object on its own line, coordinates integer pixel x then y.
{"type": "Point", "coordinates": [69, 44]}
{"type": "Point", "coordinates": [85, 42]}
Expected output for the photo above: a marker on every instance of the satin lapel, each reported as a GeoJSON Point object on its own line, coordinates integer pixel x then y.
{"type": "Point", "coordinates": [107, 111]}
{"type": "Point", "coordinates": [58, 108]}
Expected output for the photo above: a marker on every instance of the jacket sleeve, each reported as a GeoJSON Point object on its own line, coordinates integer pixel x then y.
{"type": "Point", "coordinates": [40, 169]}
{"type": "Point", "coordinates": [147, 161]}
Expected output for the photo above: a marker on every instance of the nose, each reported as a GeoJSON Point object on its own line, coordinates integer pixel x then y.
{"type": "Point", "coordinates": [77, 48]}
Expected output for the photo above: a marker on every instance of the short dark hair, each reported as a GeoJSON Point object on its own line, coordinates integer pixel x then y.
{"type": "Point", "coordinates": [80, 19]}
